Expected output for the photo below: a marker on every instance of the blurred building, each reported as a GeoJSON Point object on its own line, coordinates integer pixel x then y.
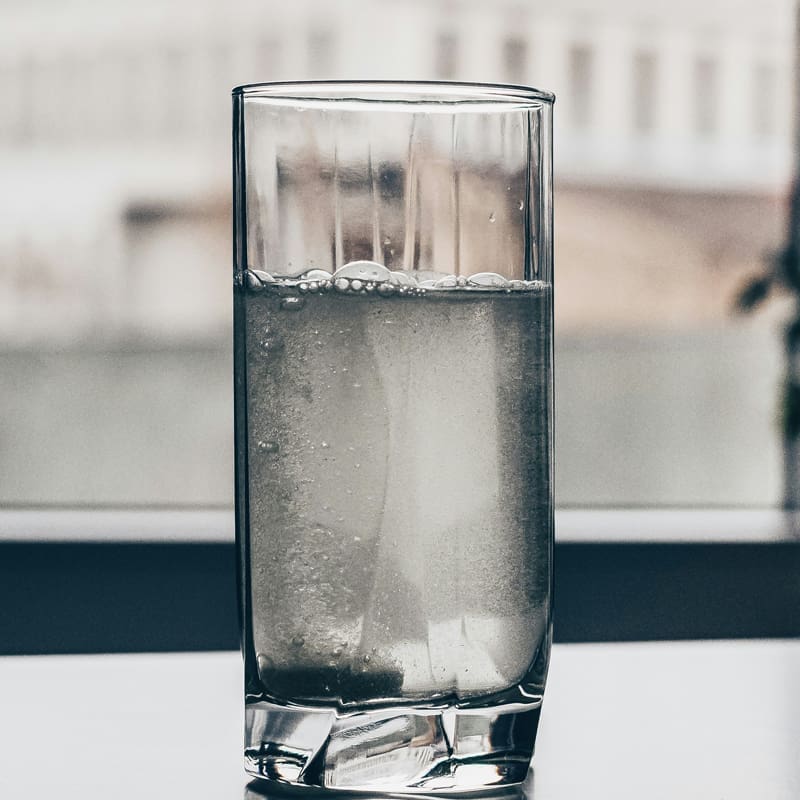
{"type": "Point", "coordinates": [114, 135]}
{"type": "Point", "coordinates": [673, 153]}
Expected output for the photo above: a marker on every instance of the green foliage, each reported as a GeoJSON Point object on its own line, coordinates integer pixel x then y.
{"type": "Point", "coordinates": [754, 292]}
{"type": "Point", "coordinates": [782, 269]}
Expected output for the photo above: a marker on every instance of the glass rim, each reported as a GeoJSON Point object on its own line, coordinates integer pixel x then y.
{"type": "Point", "coordinates": [405, 93]}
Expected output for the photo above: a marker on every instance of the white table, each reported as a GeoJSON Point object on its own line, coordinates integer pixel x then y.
{"type": "Point", "coordinates": [705, 720]}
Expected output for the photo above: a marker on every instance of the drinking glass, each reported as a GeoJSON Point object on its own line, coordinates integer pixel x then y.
{"type": "Point", "coordinates": [393, 398]}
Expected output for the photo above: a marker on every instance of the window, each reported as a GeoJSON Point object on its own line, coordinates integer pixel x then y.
{"type": "Point", "coordinates": [320, 53]}
{"type": "Point", "coordinates": [116, 411]}
{"type": "Point", "coordinates": [446, 56]}
{"type": "Point", "coordinates": [764, 101]}
{"type": "Point", "coordinates": [705, 97]}
{"type": "Point", "coordinates": [268, 60]}
{"type": "Point", "coordinates": [515, 59]}
{"type": "Point", "coordinates": [580, 86]}
{"type": "Point", "coordinates": [114, 271]}
{"type": "Point", "coordinates": [644, 92]}
{"type": "Point", "coordinates": [26, 75]}
{"type": "Point", "coordinates": [175, 75]}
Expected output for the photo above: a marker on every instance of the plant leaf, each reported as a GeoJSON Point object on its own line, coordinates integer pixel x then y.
{"type": "Point", "coordinates": [754, 292]}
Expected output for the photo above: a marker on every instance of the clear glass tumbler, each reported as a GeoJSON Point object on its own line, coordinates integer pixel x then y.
{"type": "Point", "coordinates": [393, 389]}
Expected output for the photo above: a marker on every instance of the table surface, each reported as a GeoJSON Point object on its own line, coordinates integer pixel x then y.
{"type": "Point", "coordinates": [711, 720]}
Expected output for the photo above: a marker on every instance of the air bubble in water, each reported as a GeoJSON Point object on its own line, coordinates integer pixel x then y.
{"type": "Point", "coordinates": [385, 289]}
{"type": "Point", "coordinates": [270, 343]}
{"type": "Point", "coordinates": [269, 447]}
{"type": "Point", "coordinates": [292, 303]}
{"type": "Point", "coordinates": [492, 217]}
{"type": "Point", "coordinates": [341, 284]}
{"type": "Point", "coordinates": [521, 205]}
{"type": "Point", "coordinates": [298, 641]}
{"type": "Point", "coordinates": [356, 285]}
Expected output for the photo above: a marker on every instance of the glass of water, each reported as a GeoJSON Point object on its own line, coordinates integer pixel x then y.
{"type": "Point", "coordinates": [393, 390]}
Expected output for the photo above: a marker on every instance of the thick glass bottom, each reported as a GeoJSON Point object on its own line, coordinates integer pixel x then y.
{"type": "Point", "coordinates": [399, 749]}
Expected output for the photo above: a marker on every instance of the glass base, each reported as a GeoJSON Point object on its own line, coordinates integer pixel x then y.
{"type": "Point", "coordinates": [399, 749]}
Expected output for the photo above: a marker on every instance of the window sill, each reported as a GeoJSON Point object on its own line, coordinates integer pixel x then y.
{"type": "Point", "coordinates": [83, 581]}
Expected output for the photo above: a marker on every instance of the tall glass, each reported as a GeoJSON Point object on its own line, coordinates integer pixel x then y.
{"type": "Point", "coordinates": [393, 377]}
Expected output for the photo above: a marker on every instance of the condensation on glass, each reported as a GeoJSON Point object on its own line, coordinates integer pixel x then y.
{"type": "Point", "coordinates": [393, 377]}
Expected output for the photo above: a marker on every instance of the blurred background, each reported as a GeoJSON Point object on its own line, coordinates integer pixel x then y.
{"type": "Point", "coordinates": [674, 127]}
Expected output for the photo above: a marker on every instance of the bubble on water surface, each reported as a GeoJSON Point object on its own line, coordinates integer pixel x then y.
{"type": "Point", "coordinates": [488, 280]}
{"type": "Point", "coordinates": [257, 280]}
{"type": "Point", "coordinates": [317, 275]}
{"type": "Point", "coordinates": [400, 278]}
{"type": "Point", "coordinates": [448, 282]}
{"type": "Point", "coordinates": [363, 271]}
